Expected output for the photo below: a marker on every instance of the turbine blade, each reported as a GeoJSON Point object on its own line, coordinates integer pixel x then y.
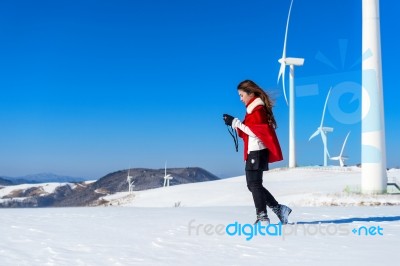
{"type": "Point", "coordinates": [286, 31]}
{"type": "Point", "coordinates": [323, 111]}
{"type": "Point", "coordinates": [282, 74]}
{"type": "Point", "coordinates": [344, 143]}
{"type": "Point", "coordinates": [282, 60]}
{"type": "Point", "coordinates": [335, 158]}
{"type": "Point", "coordinates": [314, 134]}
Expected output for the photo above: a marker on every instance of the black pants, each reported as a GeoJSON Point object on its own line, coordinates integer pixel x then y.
{"type": "Point", "coordinates": [256, 164]}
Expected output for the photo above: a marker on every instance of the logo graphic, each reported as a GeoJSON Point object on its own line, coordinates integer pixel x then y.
{"type": "Point", "coordinates": [345, 100]}
{"type": "Point", "coordinates": [249, 231]}
{"type": "Point", "coordinates": [368, 231]}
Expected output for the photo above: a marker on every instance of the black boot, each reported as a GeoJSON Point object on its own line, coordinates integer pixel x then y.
{"type": "Point", "coordinates": [282, 211]}
{"type": "Point", "coordinates": [262, 217]}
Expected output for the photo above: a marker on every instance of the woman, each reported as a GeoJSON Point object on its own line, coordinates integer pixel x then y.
{"type": "Point", "coordinates": [261, 147]}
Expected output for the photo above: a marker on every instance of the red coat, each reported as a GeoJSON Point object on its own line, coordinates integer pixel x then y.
{"type": "Point", "coordinates": [257, 122]}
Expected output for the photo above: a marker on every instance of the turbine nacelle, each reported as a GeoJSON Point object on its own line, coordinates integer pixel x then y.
{"type": "Point", "coordinates": [169, 177]}
{"type": "Point", "coordinates": [321, 130]}
{"type": "Point", "coordinates": [292, 61]}
{"type": "Point", "coordinates": [166, 180]}
{"type": "Point", "coordinates": [327, 129]}
{"type": "Point", "coordinates": [341, 159]}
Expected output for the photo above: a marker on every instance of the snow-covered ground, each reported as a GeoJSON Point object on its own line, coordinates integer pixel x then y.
{"type": "Point", "coordinates": [205, 229]}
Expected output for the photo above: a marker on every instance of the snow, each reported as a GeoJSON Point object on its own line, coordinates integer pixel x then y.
{"type": "Point", "coordinates": [46, 187]}
{"type": "Point", "coordinates": [148, 230]}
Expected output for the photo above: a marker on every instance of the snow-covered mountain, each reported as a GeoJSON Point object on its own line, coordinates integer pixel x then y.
{"type": "Point", "coordinates": [72, 193]}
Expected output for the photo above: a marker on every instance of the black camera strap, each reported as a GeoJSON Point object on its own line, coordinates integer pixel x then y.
{"type": "Point", "coordinates": [234, 135]}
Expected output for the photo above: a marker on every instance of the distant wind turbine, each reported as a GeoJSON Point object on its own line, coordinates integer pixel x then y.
{"type": "Point", "coordinates": [166, 177]}
{"type": "Point", "coordinates": [321, 130]}
{"type": "Point", "coordinates": [341, 158]}
{"type": "Point", "coordinates": [130, 181]}
{"type": "Point", "coordinates": [291, 62]}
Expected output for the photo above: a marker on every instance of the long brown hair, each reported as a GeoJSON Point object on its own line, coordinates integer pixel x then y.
{"type": "Point", "coordinates": [249, 87]}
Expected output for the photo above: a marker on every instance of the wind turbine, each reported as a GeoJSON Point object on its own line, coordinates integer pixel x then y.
{"type": "Point", "coordinates": [291, 62]}
{"type": "Point", "coordinates": [166, 177]}
{"type": "Point", "coordinates": [373, 140]}
{"type": "Point", "coordinates": [321, 130]}
{"type": "Point", "coordinates": [341, 158]}
{"type": "Point", "coordinates": [130, 181]}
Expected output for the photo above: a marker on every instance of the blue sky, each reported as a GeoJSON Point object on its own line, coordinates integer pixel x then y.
{"type": "Point", "coordinates": [92, 87]}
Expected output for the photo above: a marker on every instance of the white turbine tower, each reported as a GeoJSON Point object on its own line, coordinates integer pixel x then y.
{"type": "Point", "coordinates": [321, 130]}
{"type": "Point", "coordinates": [166, 177]}
{"type": "Point", "coordinates": [341, 158]}
{"type": "Point", "coordinates": [130, 181]}
{"type": "Point", "coordinates": [291, 62]}
{"type": "Point", "coordinates": [373, 146]}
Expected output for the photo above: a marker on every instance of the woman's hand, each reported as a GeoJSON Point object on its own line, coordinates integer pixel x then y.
{"type": "Point", "coordinates": [228, 119]}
